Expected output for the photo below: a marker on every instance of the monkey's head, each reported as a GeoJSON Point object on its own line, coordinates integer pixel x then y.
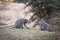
{"type": "Point", "coordinates": [26, 21]}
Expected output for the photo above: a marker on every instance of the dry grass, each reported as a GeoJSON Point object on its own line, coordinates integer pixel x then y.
{"type": "Point", "coordinates": [25, 34]}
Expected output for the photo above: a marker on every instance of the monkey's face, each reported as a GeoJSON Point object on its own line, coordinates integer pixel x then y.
{"type": "Point", "coordinates": [26, 21]}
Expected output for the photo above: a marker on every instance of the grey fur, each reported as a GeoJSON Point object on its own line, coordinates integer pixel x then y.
{"type": "Point", "coordinates": [20, 22]}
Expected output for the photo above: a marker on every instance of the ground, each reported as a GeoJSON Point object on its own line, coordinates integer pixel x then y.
{"type": "Point", "coordinates": [7, 33]}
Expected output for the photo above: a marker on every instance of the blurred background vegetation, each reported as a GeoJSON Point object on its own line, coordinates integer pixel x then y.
{"type": "Point", "coordinates": [46, 9]}
{"type": "Point", "coordinates": [49, 10]}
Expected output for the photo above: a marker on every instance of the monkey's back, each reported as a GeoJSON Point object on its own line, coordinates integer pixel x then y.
{"type": "Point", "coordinates": [21, 21]}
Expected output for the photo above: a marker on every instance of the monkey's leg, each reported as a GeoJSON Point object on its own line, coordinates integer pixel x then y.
{"type": "Point", "coordinates": [21, 26]}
